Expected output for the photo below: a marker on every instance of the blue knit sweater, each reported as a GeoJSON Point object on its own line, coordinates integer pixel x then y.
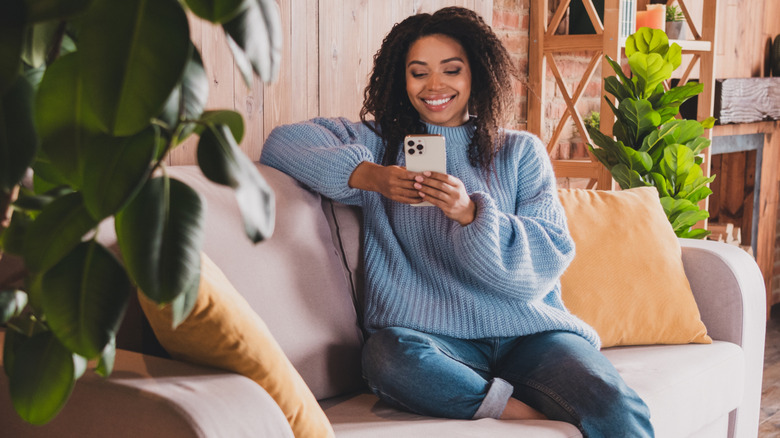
{"type": "Point", "coordinates": [498, 276]}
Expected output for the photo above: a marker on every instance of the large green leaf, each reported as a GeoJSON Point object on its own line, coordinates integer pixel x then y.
{"type": "Point", "coordinates": [627, 83]}
{"type": "Point", "coordinates": [651, 69]}
{"type": "Point", "coordinates": [38, 42]}
{"type": "Point", "coordinates": [18, 139]}
{"type": "Point", "coordinates": [44, 10]}
{"type": "Point", "coordinates": [160, 234]}
{"type": "Point", "coordinates": [223, 162]}
{"type": "Point", "coordinates": [627, 178]}
{"type": "Point", "coordinates": [684, 131]}
{"type": "Point", "coordinates": [217, 11]}
{"type": "Point", "coordinates": [12, 29]}
{"type": "Point", "coordinates": [84, 298]}
{"type": "Point", "coordinates": [64, 121]}
{"type": "Point", "coordinates": [188, 99]}
{"type": "Point", "coordinates": [133, 53]}
{"type": "Point", "coordinates": [182, 305]}
{"type": "Point", "coordinates": [107, 358]}
{"type": "Point", "coordinates": [639, 161]}
{"type": "Point", "coordinates": [257, 34]}
{"type": "Point", "coordinates": [697, 233]}
{"type": "Point", "coordinates": [687, 219]}
{"type": "Point", "coordinates": [12, 238]}
{"type": "Point", "coordinates": [13, 340]}
{"type": "Point", "coordinates": [56, 231]}
{"type": "Point", "coordinates": [43, 377]}
{"type": "Point", "coordinates": [641, 117]}
{"type": "Point", "coordinates": [115, 168]}
{"type": "Point", "coordinates": [618, 89]}
{"type": "Point", "coordinates": [12, 303]}
{"type": "Point", "coordinates": [674, 56]}
{"type": "Point", "coordinates": [680, 94]}
{"type": "Point", "coordinates": [646, 41]}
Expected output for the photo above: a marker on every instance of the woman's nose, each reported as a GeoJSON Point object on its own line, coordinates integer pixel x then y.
{"type": "Point", "coordinates": [434, 82]}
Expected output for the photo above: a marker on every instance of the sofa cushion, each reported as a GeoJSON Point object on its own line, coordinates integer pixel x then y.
{"type": "Point", "coordinates": [686, 387]}
{"type": "Point", "coordinates": [365, 416]}
{"type": "Point", "coordinates": [223, 332]}
{"type": "Point", "coordinates": [627, 279]}
{"type": "Point", "coordinates": [294, 280]}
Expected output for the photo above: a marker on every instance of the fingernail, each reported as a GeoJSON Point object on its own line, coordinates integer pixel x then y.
{"type": "Point", "coordinates": [427, 173]}
{"type": "Point", "coordinates": [417, 186]}
{"type": "Point", "coordinates": [419, 178]}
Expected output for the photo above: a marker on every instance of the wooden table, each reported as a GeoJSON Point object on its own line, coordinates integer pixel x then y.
{"type": "Point", "coordinates": [768, 197]}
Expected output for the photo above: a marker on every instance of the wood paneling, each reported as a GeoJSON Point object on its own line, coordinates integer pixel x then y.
{"type": "Point", "coordinates": [327, 54]}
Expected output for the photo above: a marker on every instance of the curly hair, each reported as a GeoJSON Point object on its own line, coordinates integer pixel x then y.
{"type": "Point", "coordinates": [491, 68]}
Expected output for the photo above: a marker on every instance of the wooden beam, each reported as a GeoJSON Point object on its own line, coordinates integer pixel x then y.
{"type": "Point", "coordinates": [767, 212]}
{"type": "Point", "coordinates": [573, 43]}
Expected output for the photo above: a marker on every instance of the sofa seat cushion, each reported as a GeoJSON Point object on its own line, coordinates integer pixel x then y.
{"type": "Point", "coordinates": [364, 415]}
{"type": "Point", "coordinates": [687, 387]}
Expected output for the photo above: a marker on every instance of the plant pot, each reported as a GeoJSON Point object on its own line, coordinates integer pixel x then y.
{"type": "Point", "coordinates": [675, 30]}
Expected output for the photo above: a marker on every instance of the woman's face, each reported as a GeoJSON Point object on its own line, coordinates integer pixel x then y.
{"type": "Point", "coordinates": [438, 80]}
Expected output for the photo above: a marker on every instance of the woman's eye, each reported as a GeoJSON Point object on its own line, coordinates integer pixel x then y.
{"type": "Point", "coordinates": [453, 72]}
{"type": "Point", "coordinates": [417, 75]}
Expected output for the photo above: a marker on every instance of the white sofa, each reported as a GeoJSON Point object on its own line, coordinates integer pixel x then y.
{"type": "Point", "coordinates": [305, 283]}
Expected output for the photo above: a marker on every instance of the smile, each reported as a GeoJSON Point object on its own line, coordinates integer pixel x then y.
{"type": "Point", "coordinates": [438, 102]}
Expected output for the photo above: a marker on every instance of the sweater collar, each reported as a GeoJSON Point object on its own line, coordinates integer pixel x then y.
{"type": "Point", "coordinates": [454, 134]}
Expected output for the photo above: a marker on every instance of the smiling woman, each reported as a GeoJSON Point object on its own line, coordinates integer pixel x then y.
{"type": "Point", "coordinates": [463, 303]}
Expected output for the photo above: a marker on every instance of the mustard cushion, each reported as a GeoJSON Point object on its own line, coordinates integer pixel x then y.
{"type": "Point", "coordinates": [627, 279]}
{"type": "Point", "coordinates": [224, 332]}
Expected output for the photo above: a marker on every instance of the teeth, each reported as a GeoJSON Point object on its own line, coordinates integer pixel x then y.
{"type": "Point", "coordinates": [437, 101]}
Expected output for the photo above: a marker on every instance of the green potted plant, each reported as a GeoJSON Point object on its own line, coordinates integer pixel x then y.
{"type": "Point", "coordinates": [94, 94]}
{"type": "Point", "coordinates": [675, 21]}
{"type": "Point", "coordinates": [649, 146]}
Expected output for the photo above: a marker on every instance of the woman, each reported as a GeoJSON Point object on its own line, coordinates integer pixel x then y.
{"type": "Point", "coordinates": [463, 302]}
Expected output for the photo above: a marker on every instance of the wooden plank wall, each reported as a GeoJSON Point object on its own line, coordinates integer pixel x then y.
{"type": "Point", "coordinates": [745, 26]}
{"type": "Point", "coordinates": [327, 55]}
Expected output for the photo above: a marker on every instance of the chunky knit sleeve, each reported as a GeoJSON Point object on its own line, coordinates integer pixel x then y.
{"type": "Point", "coordinates": [522, 253]}
{"type": "Point", "coordinates": [321, 154]}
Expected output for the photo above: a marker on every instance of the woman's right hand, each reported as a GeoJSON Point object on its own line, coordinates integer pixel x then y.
{"type": "Point", "coordinates": [393, 182]}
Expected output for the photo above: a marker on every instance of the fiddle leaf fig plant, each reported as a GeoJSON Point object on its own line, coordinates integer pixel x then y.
{"type": "Point", "coordinates": [94, 95]}
{"type": "Point", "coordinates": [649, 146]}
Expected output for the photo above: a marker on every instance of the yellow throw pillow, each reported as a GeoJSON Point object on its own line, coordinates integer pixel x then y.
{"type": "Point", "coordinates": [224, 332]}
{"type": "Point", "coordinates": [627, 279]}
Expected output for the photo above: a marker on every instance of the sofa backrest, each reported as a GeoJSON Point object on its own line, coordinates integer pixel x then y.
{"type": "Point", "coordinates": [295, 280]}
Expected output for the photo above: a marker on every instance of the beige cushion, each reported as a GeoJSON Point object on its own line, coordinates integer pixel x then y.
{"type": "Point", "coordinates": [627, 279]}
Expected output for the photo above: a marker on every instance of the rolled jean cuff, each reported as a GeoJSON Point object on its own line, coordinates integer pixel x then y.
{"type": "Point", "coordinates": [496, 399]}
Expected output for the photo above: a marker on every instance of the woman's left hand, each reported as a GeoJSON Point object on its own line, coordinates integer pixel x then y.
{"type": "Point", "coordinates": [449, 194]}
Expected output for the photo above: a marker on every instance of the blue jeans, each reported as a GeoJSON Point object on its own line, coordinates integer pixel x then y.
{"type": "Point", "coordinates": [559, 374]}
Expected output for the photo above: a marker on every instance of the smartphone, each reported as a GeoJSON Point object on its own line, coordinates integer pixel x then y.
{"type": "Point", "coordinates": [425, 152]}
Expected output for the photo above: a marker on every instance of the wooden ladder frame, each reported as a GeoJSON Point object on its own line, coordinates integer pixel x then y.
{"type": "Point", "coordinates": [543, 44]}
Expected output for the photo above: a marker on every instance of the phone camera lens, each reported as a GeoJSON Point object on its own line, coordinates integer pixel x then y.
{"type": "Point", "coordinates": [411, 143]}
{"type": "Point", "coordinates": [419, 147]}
{"type": "Point", "coordinates": [411, 151]}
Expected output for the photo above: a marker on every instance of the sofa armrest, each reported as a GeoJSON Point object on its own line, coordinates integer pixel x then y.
{"type": "Point", "coordinates": [729, 290]}
{"type": "Point", "coordinates": [148, 396]}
